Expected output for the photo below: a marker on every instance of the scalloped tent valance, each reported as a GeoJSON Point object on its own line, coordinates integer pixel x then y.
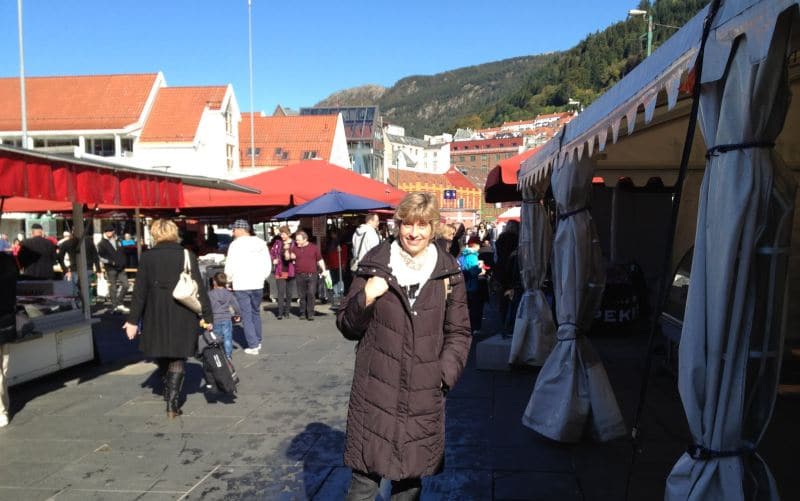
{"type": "Point", "coordinates": [663, 71]}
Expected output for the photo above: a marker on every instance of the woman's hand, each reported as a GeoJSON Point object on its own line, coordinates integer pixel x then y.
{"type": "Point", "coordinates": [375, 288]}
{"type": "Point", "coordinates": [131, 330]}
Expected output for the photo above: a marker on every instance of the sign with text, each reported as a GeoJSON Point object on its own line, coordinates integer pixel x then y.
{"type": "Point", "coordinates": [449, 194]}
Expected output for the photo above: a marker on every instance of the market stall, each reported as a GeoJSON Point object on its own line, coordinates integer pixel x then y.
{"type": "Point", "coordinates": [61, 323]}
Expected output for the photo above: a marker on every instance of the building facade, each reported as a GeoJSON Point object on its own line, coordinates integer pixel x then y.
{"type": "Point", "coordinates": [364, 134]}
{"type": "Point", "coordinates": [459, 200]}
{"type": "Point", "coordinates": [402, 152]}
{"type": "Point", "coordinates": [286, 139]}
{"type": "Point", "coordinates": [132, 119]}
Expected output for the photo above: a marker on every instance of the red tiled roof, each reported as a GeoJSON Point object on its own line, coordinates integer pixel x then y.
{"type": "Point", "coordinates": [458, 179]}
{"type": "Point", "coordinates": [293, 135]}
{"type": "Point", "coordinates": [452, 178]}
{"type": "Point", "coordinates": [75, 102]}
{"type": "Point", "coordinates": [477, 145]}
{"type": "Point", "coordinates": [177, 110]}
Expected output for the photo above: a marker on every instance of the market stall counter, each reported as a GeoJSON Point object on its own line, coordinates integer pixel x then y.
{"type": "Point", "coordinates": [57, 335]}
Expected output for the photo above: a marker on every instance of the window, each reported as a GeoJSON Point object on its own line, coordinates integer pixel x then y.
{"type": "Point", "coordinates": [100, 147]}
{"type": "Point", "coordinates": [126, 144]}
{"type": "Point", "coordinates": [228, 121]}
{"type": "Point", "coordinates": [460, 203]}
{"type": "Point", "coordinates": [285, 155]}
{"type": "Point", "coordinates": [472, 158]}
{"type": "Point", "coordinates": [250, 151]}
{"type": "Point", "coordinates": [308, 155]}
{"type": "Point", "coordinates": [229, 156]}
{"type": "Point", "coordinates": [278, 152]}
{"type": "Point", "coordinates": [38, 143]}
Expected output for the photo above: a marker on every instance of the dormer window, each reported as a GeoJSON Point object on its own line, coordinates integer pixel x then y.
{"type": "Point", "coordinates": [309, 155]}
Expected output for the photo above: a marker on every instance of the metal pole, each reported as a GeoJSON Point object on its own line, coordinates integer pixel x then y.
{"type": "Point", "coordinates": [82, 264]}
{"type": "Point", "coordinates": [138, 220]}
{"type": "Point", "coordinates": [649, 34]}
{"type": "Point", "coordinates": [250, 57]}
{"type": "Point", "coordinates": [23, 106]}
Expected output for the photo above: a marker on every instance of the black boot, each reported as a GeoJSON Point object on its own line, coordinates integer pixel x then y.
{"type": "Point", "coordinates": [174, 385]}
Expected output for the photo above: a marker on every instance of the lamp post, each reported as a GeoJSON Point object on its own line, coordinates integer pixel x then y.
{"type": "Point", "coordinates": [645, 14]}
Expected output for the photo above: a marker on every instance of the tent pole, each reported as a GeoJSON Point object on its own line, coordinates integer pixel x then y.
{"type": "Point", "coordinates": [138, 221]}
{"type": "Point", "coordinates": [78, 229]}
{"type": "Point", "coordinates": [666, 279]}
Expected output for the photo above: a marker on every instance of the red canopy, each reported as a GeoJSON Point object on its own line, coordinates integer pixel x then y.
{"type": "Point", "coordinates": [501, 183]}
{"type": "Point", "coordinates": [45, 177]}
{"type": "Point", "coordinates": [294, 184]}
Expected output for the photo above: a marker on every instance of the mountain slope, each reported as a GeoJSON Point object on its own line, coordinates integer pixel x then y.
{"type": "Point", "coordinates": [522, 87]}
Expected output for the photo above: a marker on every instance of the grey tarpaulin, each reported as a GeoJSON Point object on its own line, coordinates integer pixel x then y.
{"type": "Point", "coordinates": [534, 329]}
{"type": "Point", "coordinates": [733, 330]}
{"type": "Point", "coordinates": [573, 386]}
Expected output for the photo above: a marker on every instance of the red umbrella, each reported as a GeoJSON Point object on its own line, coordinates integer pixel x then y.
{"type": "Point", "coordinates": [501, 183]}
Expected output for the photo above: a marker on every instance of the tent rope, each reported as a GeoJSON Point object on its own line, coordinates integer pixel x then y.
{"type": "Point", "coordinates": [725, 148]}
{"type": "Point", "coordinates": [636, 436]}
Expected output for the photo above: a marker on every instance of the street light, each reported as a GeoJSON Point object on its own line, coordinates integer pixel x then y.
{"type": "Point", "coordinates": [645, 14]}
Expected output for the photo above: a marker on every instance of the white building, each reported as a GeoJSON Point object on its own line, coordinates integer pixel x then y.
{"type": "Point", "coordinates": [414, 154]}
{"type": "Point", "coordinates": [134, 118]}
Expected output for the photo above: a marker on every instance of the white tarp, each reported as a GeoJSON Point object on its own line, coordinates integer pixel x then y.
{"type": "Point", "coordinates": [534, 329]}
{"type": "Point", "coordinates": [732, 336]}
{"type": "Point", "coordinates": [573, 386]}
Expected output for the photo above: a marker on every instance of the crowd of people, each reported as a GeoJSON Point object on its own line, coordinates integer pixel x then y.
{"type": "Point", "coordinates": [413, 299]}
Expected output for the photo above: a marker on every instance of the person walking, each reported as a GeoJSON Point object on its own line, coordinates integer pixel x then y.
{"type": "Point", "coordinates": [247, 266]}
{"type": "Point", "coordinates": [169, 330]}
{"type": "Point", "coordinates": [364, 238]}
{"type": "Point", "coordinates": [68, 258]}
{"type": "Point", "coordinates": [113, 258]}
{"type": "Point", "coordinates": [37, 255]}
{"type": "Point", "coordinates": [280, 252]}
{"type": "Point", "coordinates": [503, 275]}
{"type": "Point", "coordinates": [445, 233]}
{"type": "Point", "coordinates": [407, 308]}
{"type": "Point", "coordinates": [308, 265]}
{"type": "Point", "coordinates": [225, 309]}
{"type": "Point", "coordinates": [472, 268]}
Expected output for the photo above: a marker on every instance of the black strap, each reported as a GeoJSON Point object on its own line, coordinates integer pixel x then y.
{"type": "Point", "coordinates": [724, 148]}
{"type": "Point", "coordinates": [572, 213]}
{"type": "Point", "coordinates": [700, 453]}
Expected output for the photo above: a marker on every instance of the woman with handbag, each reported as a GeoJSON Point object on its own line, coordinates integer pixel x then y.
{"type": "Point", "coordinates": [169, 328]}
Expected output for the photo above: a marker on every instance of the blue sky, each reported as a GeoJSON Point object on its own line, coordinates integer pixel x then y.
{"type": "Point", "coordinates": [304, 50]}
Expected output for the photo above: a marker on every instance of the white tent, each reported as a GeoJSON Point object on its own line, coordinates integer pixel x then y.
{"type": "Point", "coordinates": [739, 218]}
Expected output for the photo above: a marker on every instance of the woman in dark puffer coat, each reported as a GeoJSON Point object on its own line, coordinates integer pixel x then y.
{"type": "Point", "coordinates": [407, 308]}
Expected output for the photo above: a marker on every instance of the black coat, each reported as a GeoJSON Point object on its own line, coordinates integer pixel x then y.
{"type": "Point", "coordinates": [395, 420]}
{"type": "Point", "coordinates": [37, 256]}
{"type": "Point", "coordinates": [111, 257]}
{"type": "Point", "coordinates": [169, 329]}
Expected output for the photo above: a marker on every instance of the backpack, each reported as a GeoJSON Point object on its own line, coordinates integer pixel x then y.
{"type": "Point", "coordinates": [462, 262]}
{"type": "Point", "coordinates": [219, 371]}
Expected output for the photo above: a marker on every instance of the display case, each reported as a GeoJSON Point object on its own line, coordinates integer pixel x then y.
{"type": "Point", "coordinates": [60, 337]}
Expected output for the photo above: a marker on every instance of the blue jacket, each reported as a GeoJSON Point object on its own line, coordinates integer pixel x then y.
{"type": "Point", "coordinates": [468, 261]}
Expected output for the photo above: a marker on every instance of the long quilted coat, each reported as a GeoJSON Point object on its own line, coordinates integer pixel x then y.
{"type": "Point", "coordinates": [395, 421]}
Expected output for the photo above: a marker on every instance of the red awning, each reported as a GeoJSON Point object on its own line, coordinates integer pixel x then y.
{"type": "Point", "coordinates": [47, 178]}
{"type": "Point", "coordinates": [293, 184]}
{"type": "Point", "coordinates": [501, 183]}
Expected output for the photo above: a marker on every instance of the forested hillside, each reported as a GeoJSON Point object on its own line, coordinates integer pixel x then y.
{"type": "Point", "coordinates": [514, 89]}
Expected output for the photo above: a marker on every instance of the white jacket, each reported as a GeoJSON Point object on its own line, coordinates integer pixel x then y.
{"type": "Point", "coordinates": [248, 263]}
{"type": "Point", "coordinates": [370, 238]}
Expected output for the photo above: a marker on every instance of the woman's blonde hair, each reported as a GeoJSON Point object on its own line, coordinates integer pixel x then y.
{"type": "Point", "coordinates": [164, 230]}
{"type": "Point", "coordinates": [446, 230]}
{"type": "Point", "coordinates": [417, 207]}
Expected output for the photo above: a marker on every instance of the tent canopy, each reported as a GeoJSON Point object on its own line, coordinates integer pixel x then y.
{"type": "Point", "coordinates": [43, 181]}
{"type": "Point", "coordinates": [294, 184]}
{"type": "Point", "coordinates": [501, 183]}
{"type": "Point", "coordinates": [656, 82]}
{"type": "Point", "coordinates": [333, 202]}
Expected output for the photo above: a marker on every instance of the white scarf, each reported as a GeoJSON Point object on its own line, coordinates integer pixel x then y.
{"type": "Point", "coordinates": [409, 278]}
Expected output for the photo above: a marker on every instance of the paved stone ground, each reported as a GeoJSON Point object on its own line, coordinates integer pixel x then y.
{"type": "Point", "coordinates": [99, 431]}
